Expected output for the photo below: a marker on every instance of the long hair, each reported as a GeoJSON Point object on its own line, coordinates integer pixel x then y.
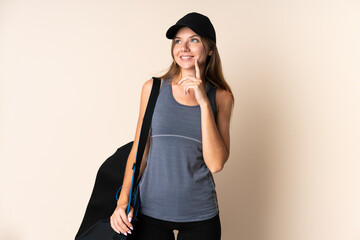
{"type": "Point", "coordinates": [213, 68]}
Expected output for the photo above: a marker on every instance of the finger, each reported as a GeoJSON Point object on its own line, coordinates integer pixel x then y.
{"type": "Point", "coordinates": [130, 216]}
{"type": "Point", "coordinates": [197, 69]}
{"type": "Point", "coordinates": [113, 226]}
{"type": "Point", "coordinates": [187, 78]}
{"type": "Point", "coordinates": [189, 86]}
{"type": "Point", "coordinates": [125, 221]}
{"type": "Point", "coordinates": [186, 90]}
{"type": "Point", "coordinates": [119, 229]}
{"type": "Point", "coordinates": [119, 223]}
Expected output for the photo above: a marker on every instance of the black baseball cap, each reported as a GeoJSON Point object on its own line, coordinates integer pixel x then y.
{"type": "Point", "coordinates": [197, 22]}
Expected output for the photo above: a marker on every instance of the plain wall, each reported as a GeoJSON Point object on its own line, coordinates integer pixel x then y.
{"type": "Point", "coordinates": [71, 73]}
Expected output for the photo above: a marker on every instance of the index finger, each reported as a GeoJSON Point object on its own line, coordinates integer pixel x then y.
{"type": "Point", "coordinates": [197, 69]}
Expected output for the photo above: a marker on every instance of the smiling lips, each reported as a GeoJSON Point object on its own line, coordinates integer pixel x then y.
{"type": "Point", "coordinates": [186, 58]}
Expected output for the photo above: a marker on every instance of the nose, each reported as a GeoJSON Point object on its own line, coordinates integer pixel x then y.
{"type": "Point", "coordinates": [185, 46]}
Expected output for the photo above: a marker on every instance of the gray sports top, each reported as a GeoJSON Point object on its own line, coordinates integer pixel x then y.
{"type": "Point", "coordinates": [177, 185]}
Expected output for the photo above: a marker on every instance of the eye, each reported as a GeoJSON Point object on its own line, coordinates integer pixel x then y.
{"type": "Point", "coordinates": [177, 41]}
{"type": "Point", "coordinates": [194, 40]}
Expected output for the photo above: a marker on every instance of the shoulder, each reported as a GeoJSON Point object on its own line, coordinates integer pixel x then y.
{"type": "Point", "coordinates": [146, 88]}
{"type": "Point", "coordinates": [224, 99]}
{"type": "Point", "coordinates": [147, 85]}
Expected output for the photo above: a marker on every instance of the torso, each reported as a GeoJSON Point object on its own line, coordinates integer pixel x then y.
{"type": "Point", "coordinates": [176, 184]}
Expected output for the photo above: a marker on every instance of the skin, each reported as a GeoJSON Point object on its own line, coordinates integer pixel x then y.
{"type": "Point", "coordinates": [188, 89]}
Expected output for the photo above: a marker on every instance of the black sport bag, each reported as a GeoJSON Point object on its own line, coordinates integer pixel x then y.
{"type": "Point", "coordinates": [102, 203]}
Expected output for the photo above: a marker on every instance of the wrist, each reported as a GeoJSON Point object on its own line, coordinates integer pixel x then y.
{"type": "Point", "coordinates": [123, 198]}
{"type": "Point", "coordinates": [122, 202]}
{"type": "Point", "coordinates": [205, 104]}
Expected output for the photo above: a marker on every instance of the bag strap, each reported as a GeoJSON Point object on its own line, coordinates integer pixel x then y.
{"type": "Point", "coordinates": [144, 133]}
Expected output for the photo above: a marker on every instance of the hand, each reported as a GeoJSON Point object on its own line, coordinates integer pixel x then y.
{"type": "Point", "coordinates": [120, 222]}
{"type": "Point", "coordinates": [195, 83]}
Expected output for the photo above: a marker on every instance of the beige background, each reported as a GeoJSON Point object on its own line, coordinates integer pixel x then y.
{"type": "Point", "coordinates": [71, 74]}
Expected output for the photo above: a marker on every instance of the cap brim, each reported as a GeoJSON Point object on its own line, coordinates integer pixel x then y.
{"type": "Point", "coordinates": [171, 32]}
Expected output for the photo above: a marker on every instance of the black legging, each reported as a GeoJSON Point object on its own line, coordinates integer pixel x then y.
{"type": "Point", "coordinates": [148, 228]}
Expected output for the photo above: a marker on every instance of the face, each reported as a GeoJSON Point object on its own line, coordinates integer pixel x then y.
{"type": "Point", "coordinates": [188, 47]}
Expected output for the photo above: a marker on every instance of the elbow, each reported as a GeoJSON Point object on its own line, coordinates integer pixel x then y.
{"type": "Point", "coordinates": [216, 169]}
{"type": "Point", "coordinates": [217, 166]}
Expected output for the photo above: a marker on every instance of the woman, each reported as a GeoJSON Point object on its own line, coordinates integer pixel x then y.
{"type": "Point", "coordinates": [189, 141]}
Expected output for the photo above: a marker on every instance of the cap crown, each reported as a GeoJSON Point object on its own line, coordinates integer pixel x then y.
{"type": "Point", "coordinates": [197, 22]}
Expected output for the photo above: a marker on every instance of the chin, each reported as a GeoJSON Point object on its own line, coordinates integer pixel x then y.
{"type": "Point", "coordinates": [187, 65]}
{"type": "Point", "coordinates": [188, 69]}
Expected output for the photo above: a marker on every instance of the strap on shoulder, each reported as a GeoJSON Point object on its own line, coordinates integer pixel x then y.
{"type": "Point", "coordinates": [144, 133]}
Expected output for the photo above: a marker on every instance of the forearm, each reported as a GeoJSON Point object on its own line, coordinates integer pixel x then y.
{"type": "Point", "coordinates": [214, 150]}
{"type": "Point", "coordinates": [125, 190]}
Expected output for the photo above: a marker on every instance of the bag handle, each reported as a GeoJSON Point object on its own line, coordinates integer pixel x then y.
{"type": "Point", "coordinates": [144, 133]}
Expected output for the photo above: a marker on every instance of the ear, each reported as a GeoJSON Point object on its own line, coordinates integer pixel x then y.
{"type": "Point", "coordinates": [210, 53]}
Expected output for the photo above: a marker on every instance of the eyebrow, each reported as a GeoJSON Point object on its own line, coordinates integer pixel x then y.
{"type": "Point", "coordinates": [190, 36]}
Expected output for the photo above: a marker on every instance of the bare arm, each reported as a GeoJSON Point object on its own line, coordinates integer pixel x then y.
{"type": "Point", "coordinates": [119, 221]}
{"type": "Point", "coordinates": [216, 135]}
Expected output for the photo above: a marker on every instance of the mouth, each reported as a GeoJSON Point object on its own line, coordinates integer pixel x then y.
{"type": "Point", "coordinates": [186, 58]}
